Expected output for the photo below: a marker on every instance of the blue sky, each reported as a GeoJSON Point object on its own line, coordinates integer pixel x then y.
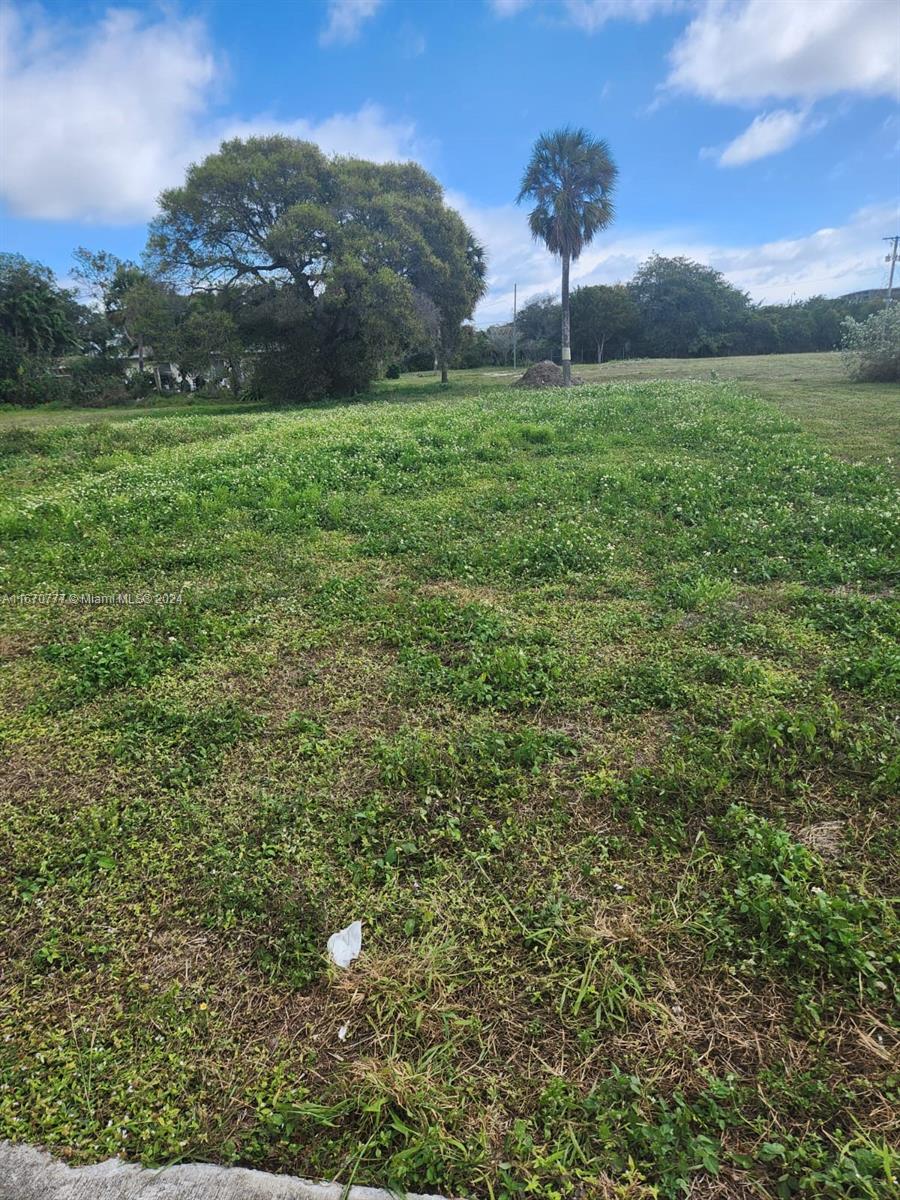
{"type": "Point", "coordinates": [762, 136]}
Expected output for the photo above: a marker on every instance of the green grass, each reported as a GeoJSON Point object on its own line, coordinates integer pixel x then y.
{"type": "Point", "coordinates": [860, 420]}
{"type": "Point", "coordinates": [583, 704]}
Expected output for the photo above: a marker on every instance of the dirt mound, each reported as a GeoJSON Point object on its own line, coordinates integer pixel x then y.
{"type": "Point", "coordinates": [543, 375]}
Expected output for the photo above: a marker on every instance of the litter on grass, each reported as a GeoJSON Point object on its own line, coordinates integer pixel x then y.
{"type": "Point", "coordinates": [345, 945]}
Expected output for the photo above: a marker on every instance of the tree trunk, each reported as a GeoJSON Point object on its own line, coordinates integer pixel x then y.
{"type": "Point", "coordinates": [141, 355]}
{"type": "Point", "coordinates": [600, 346]}
{"type": "Point", "coordinates": [566, 347]}
{"type": "Point", "coordinates": [442, 350]}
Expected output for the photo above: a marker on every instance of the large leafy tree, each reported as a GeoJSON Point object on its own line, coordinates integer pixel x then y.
{"type": "Point", "coordinates": [141, 309]}
{"type": "Point", "coordinates": [457, 281]}
{"type": "Point", "coordinates": [207, 336]}
{"type": "Point", "coordinates": [398, 209]}
{"type": "Point", "coordinates": [604, 319]}
{"type": "Point", "coordinates": [687, 308]}
{"type": "Point", "coordinates": [258, 210]}
{"type": "Point", "coordinates": [537, 328]}
{"type": "Point", "coordinates": [35, 313]}
{"type": "Point", "coordinates": [322, 257]}
{"type": "Point", "coordinates": [570, 179]}
{"type": "Point", "coordinates": [150, 312]}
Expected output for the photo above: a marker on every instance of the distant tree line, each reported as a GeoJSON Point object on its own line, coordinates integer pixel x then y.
{"type": "Point", "coordinates": [274, 271]}
{"type": "Point", "coordinates": [672, 308]}
{"type": "Point", "coordinates": [277, 273]}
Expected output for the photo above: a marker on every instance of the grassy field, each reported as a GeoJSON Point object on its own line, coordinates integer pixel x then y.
{"type": "Point", "coordinates": [859, 420]}
{"type": "Point", "coordinates": [582, 705]}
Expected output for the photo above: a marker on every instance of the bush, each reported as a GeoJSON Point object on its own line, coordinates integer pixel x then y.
{"type": "Point", "coordinates": [97, 381]}
{"type": "Point", "coordinates": [419, 360]}
{"type": "Point", "coordinates": [871, 348]}
{"type": "Point", "coordinates": [293, 372]}
{"type": "Point", "coordinates": [139, 385]}
{"type": "Point", "coordinates": [30, 382]}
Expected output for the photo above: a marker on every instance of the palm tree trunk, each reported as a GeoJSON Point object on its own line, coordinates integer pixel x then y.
{"type": "Point", "coordinates": [566, 347]}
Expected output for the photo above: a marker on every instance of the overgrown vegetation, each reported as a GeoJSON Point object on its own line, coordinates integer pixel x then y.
{"type": "Point", "coordinates": [872, 347]}
{"type": "Point", "coordinates": [586, 709]}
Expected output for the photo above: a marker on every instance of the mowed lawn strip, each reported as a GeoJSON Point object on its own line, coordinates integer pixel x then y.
{"type": "Point", "coordinates": [859, 421]}
{"type": "Point", "coordinates": [583, 704]}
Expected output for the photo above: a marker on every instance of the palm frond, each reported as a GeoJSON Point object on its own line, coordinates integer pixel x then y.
{"type": "Point", "coordinates": [570, 177]}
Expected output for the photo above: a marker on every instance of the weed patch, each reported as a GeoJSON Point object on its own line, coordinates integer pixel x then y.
{"type": "Point", "coordinates": [535, 689]}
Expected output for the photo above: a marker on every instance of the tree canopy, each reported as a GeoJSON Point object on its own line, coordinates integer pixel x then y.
{"type": "Point", "coordinates": [323, 257]}
{"type": "Point", "coordinates": [685, 307]}
{"type": "Point", "coordinates": [605, 320]}
{"type": "Point", "coordinates": [570, 179]}
{"type": "Point", "coordinates": [35, 313]}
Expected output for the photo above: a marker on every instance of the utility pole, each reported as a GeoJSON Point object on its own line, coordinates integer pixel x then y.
{"type": "Point", "coordinates": [515, 307]}
{"type": "Point", "coordinates": [892, 259]}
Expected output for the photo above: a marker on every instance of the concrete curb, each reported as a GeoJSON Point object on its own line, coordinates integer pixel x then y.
{"type": "Point", "coordinates": [27, 1173]}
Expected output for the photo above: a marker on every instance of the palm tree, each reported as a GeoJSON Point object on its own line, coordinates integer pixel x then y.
{"type": "Point", "coordinates": [570, 177]}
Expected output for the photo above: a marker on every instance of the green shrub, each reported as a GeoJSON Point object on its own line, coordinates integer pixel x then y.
{"type": "Point", "coordinates": [97, 381]}
{"type": "Point", "coordinates": [871, 348]}
{"type": "Point", "coordinates": [420, 360]}
{"type": "Point", "coordinates": [140, 384]}
{"type": "Point", "coordinates": [32, 383]}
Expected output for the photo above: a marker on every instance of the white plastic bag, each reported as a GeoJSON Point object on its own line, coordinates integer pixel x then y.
{"type": "Point", "coordinates": [345, 945]}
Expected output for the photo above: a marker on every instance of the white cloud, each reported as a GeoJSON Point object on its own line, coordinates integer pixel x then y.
{"type": "Point", "coordinates": [93, 127]}
{"type": "Point", "coordinates": [739, 51]}
{"type": "Point", "coordinates": [367, 133]}
{"type": "Point", "coordinates": [830, 260]}
{"type": "Point", "coordinates": [769, 133]}
{"type": "Point", "coordinates": [591, 15]}
{"type": "Point", "coordinates": [346, 19]}
{"type": "Point", "coordinates": [90, 125]}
